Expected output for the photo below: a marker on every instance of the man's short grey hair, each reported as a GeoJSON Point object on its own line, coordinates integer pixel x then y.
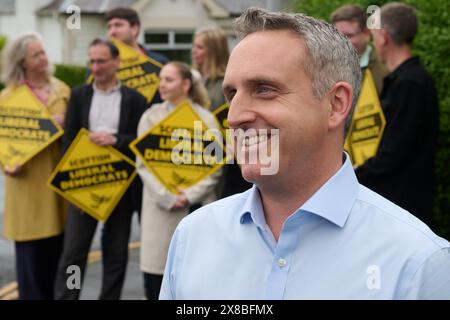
{"type": "Point", "coordinates": [329, 58]}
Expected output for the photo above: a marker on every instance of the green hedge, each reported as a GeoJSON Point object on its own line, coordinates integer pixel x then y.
{"type": "Point", "coordinates": [3, 40]}
{"type": "Point", "coordinates": [72, 75]}
{"type": "Point", "coordinates": [432, 44]}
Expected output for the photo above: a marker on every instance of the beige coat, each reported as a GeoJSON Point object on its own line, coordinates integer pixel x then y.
{"type": "Point", "coordinates": [158, 222]}
{"type": "Point", "coordinates": [32, 210]}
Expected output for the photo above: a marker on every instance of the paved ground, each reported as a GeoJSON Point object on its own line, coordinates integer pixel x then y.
{"type": "Point", "coordinates": [133, 283]}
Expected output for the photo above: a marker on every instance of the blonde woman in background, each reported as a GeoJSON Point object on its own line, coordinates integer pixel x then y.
{"type": "Point", "coordinates": [210, 57]}
{"type": "Point", "coordinates": [34, 215]}
{"type": "Point", "coordinates": [162, 210]}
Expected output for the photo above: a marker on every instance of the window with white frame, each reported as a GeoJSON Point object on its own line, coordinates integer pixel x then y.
{"type": "Point", "coordinates": [174, 44]}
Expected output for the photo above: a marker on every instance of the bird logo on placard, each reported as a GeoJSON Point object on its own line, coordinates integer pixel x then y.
{"type": "Point", "coordinates": [98, 200]}
{"type": "Point", "coordinates": [178, 180]}
{"type": "Point", "coordinates": [12, 153]}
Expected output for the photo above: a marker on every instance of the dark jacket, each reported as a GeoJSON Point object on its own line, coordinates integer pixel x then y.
{"type": "Point", "coordinates": [132, 106]}
{"type": "Point", "coordinates": [403, 168]}
{"type": "Point", "coordinates": [159, 58]}
{"type": "Point", "coordinates": [154, 55]}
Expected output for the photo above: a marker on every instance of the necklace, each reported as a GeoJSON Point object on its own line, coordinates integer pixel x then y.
{"type": "Point", "coordinates": [42, 92]}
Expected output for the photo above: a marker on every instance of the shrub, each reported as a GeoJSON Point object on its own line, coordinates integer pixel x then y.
{"type": "Point", "coordinates": [70, 74]}
{"type": "Point", "coordinates": [3, 40]}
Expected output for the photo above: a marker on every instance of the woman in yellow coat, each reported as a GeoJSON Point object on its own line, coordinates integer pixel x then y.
{"type": "Point", "coordinates": [34, 215]}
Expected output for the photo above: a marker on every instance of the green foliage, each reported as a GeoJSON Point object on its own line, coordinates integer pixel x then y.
{"type": "Point", "coordinates": [3, 40]}
{"type": "Point", "coordinates": [432, 44]}
{"type": "Point", "coordinates": [70, 74]}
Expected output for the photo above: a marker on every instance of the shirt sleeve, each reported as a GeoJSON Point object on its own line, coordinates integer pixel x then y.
{"type": "Point", "coordinates": [432, 279]}
{"type": "Point", "coordinates": [168, 291]}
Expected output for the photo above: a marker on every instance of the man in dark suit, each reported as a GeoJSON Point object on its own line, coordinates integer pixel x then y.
{"type": "Point", "coordinates": [402, 170]}
{"type": "Point", "coordinates": [111, 112]}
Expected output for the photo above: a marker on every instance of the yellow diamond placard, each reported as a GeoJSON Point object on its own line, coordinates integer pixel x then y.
{"type": "Point", "coordinates": [26, 127]}
{"type": "Point", "coordinates": [137, 70]}
{"type": "Point", "coordinates": [221, 115]}
{"type": "Point", "coordinates": [91, 177]}
{"type": "Point", "coordinates": [368, 123]}
{"type": "Point", "coordinates": [195, 154]}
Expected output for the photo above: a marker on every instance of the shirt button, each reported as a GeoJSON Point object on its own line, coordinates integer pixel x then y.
{"type": "Point", "coordinates": [282, 263]}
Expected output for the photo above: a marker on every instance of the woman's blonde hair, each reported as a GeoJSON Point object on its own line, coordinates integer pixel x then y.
{"type": "Point", "coordinates": [13, 57]}
{"type": "Point", "coordinates": [197, 91]}
{"type": "Point", "coordinates": [217, 52]}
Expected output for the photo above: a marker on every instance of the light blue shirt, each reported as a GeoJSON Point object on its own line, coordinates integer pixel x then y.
{"type": "Point", "coordinates": [345, 242]}
{"type": "Point", "coordinates": [365, 57]}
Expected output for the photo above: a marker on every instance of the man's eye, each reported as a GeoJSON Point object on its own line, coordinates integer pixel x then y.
{"type": "Point", "coordinates": [264, 90]}
{"type": "Point", "coordinates": [230, 94]}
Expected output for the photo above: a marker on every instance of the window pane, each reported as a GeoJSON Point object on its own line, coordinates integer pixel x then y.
{"type": "Point", "coordinates": [183, 37]}
{"type": "Point", "coordinates": [181, 55]}
{"type": "Point", "coordinates": [156, 38]}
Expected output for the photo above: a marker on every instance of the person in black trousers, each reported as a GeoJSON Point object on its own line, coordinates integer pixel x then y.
{"type": "Point", "coordinates": [402, 170]}
{"type": "Point", "coordinates": [111, 112]}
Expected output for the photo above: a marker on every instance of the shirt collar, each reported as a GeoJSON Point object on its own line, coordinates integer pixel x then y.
{"type": "Point", "coordinates": [115, 88]}
{"type": "Point", "coordinates": [365, 57]}
{"type": "Point", "coordinates": [390, 78]}
{"type": "Point", "coordinates": [253, 209]}
{"type": "Point", "coordinates": [333, 201]}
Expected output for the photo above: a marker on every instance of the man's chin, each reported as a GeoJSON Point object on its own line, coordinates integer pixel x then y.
{"type": "Point", "coordinates": [100, 80]}
{"type": "Point", "coordinates": [251, 172]}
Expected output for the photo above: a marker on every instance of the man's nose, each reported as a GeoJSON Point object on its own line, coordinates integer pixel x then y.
{"type": "Point", "coordinates": [241, 111]}
{"type": "Point", "coordinates": [95, 67]}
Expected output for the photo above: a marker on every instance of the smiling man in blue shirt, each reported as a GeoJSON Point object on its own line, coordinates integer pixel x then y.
{"type": "Point", "coordinates": [309, 231]}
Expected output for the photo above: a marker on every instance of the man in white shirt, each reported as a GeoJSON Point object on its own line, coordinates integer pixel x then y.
{"type": "Point", "coordinates": [111, 112]}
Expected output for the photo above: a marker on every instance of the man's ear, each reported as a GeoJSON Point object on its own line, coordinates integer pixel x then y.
{"type": "Point", "coordinates": [135, 30]}
{"type": "Point", "coordinates": [385, 38]}
{"type": "Point", "coordinates": [340, 99]}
